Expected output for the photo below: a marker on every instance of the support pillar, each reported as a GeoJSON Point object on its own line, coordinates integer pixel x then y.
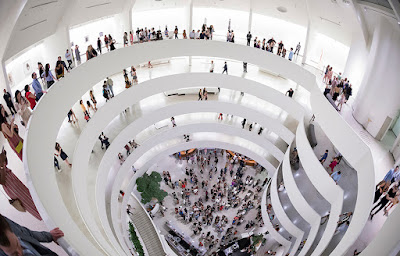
{"type": "Point", "coordinates": [190, 25]}
{"type": "Point", "coordinates": [250, 17]}
{"type": "Point", "coordinates": [308, 36]}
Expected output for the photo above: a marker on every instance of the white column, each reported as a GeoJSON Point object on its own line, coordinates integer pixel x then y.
{"type": "Point", "coordinates": [308, 36]}
{"type": "Point", "coordinates": [190, 24]}
{"type": "Point", "coordinates": [5, 77]}
{"type": "Point", "coordinates": [250, 17]}
{"type": "Point", "coordinates": [377, 100]}
{"type": "Point", "coordinates": [307, 43]}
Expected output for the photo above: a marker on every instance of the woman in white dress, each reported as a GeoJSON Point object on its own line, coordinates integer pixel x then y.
{"type": "Point", "coordinates": [22, 105]}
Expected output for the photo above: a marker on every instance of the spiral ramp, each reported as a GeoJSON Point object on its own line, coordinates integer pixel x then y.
{"type": "Point", "coordinates": [95, 222]}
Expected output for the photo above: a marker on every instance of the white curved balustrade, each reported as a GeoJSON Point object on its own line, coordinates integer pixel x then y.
{"type": "Point", "coordinates": [281, 215]}
{"type": "Point", "coordinates": [323, 183]}
{"type": "Point", "coordinates": [40, 143]}
{"type": "Point", "coordinates": [122, 101]}
{"type": "Point", "coordinates": [103, 117]}
{"type": "Point", "coordinates": [300, 203]}
{"type": "Point", "coordinates": [268, 224]}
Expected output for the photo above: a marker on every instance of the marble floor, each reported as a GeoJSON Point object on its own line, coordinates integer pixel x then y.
{"type": "Point", "coordinates": [69, 134]}
{"type": "Point", "coordinates": [177, 171]}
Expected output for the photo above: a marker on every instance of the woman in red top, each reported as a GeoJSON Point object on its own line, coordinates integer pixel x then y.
{"type": "Point", "coordinates": [333, 164]}
{"type": "Point", "coordinates": [30, 96]}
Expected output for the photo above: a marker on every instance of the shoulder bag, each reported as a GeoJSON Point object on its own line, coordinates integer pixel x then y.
{"type": "Point", "coordinates": [16, 203]}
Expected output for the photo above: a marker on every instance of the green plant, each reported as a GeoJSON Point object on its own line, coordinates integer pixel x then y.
{"type": "Point", "coordinates": [135, 240]}
{"type": "Point", "coordinates": [257, 239]}
{"type": "Point", "coordinates": [149, 186]}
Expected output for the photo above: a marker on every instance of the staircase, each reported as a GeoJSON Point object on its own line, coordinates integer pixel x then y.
{"type": "Point", "coordinates": [146, 230]}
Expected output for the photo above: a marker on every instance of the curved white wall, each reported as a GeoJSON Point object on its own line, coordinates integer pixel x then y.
{"type": "Point", "coordinates": [281, 215]}
{"type": "Point", "coordinates": [300, 203]}
{"type": "Point", "coordinates": [129, 97]}
{"type": "Point", "coordinates": [78, 82]}
{"type": "Point", "coordinates": [323, 183]}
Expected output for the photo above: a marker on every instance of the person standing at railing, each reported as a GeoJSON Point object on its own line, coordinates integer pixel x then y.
{"type": "Point", "coordinates": [298, 47]}
{"type": "Point", "coordinates": [31, 97]}
{"type": "Point", "coordinates": [37, 87]}
{"type": "Point", "coordinates": [19, 240]}
{"type": "Point", "coordinates": [22, 105]}
{"type": "Point", "coordinates": [60, 65]}
{"type": "Point", "coordinates": [176, 32]}
{"type": "Point", "coordinates": [78, 55]}
{"type": "Point", "coordinates": [48, 76]}
{"type": "Point", "coordinates": [99, 44]}
{"type": "Point", "coordinates": [249, 36]}
{"type": "Point", "coordinates": [8, 99]}
{"type": "Point", "coordinates": [125, 38]}
{"type": "Point", "coordinates": [68, 57]}
{"type": "Point", "coordinates": [106, 42]}
{"type": "Point", "coordinates": [91, 52]}
{"type": "Point", "coordinates": [291, 54]}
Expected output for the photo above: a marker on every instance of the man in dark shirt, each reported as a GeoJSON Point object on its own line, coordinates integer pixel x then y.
{"type": "Point", "coordinates": [348, 92]}
{"type": "Point", "coordinates": [8, 99]}
{"type": "Point", "coordinates": [249, 36]}
{"type": "Point", "coordinates": [290, 92]}
{"type": "Point", "coordinates": [99, 44]}
{"type": "Point", "coordinates": [60, 65]}
{"type": "Point", "coordinates": [271, 43]}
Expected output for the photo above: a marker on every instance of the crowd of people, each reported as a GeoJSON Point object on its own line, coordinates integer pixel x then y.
{"type": "Point", "coordinates": [338, 88]}
{"type": "Point", "coordinates": [221, 195]}
{"type": "Point", "coordinates": [269, 45]}
{"type": "Point", "coordinates": [387, 192]}
{"type": "Point", "coordinates": [208, 193]}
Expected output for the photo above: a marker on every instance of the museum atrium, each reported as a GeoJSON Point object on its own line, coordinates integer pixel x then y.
{"type": "Point", "coordinates": [200, 127]}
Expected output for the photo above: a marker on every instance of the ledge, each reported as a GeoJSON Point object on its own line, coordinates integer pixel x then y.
{"type": "Point", "coordinates": [300, 203]}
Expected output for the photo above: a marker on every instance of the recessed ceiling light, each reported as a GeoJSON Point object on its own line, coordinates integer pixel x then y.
{"type": "Point", "coordinates": [282, 9]}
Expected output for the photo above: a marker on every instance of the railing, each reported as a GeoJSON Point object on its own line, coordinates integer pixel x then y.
{"type": "Point", "coordinates": [141, 53]}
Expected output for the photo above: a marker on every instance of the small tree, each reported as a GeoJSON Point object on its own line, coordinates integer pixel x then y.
{"type": "Point", "coordinates": [257, 239]}
{"type": "Point", "coordinates": [149, 186]}
{"type": "Point", "coordinates": [135, 240]}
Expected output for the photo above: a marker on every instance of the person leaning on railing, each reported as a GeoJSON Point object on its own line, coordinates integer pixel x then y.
{"type": "Point", "coordinates": [19, 240]}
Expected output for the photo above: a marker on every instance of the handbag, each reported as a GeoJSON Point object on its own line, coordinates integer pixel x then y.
{"type": "Point", "coordinates": [16, 203]}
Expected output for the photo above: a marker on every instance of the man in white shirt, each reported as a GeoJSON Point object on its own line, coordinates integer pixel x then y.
{"type": "Point", "coordinates": [197, 34]}
{"type": "Point", "coordinates": [212, 67]}
{"type": "Point", "coordinates": [192, 34]}
{"type": "Point", "coordinates": [68, 56]}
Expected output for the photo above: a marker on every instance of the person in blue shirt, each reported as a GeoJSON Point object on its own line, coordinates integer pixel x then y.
{"type": "Point", "coordinates": [37, 87]}
{"type": "Point", "coordinates": [392, 175]}
{"type": "Point", "coordinates": [323, 157]}
{"type": "Point", "coordinates": [291, 53]}
{"type": "Point", "coordinates": [336, 176]}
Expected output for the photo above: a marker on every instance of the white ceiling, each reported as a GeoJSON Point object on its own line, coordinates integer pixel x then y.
{"type": "Point", "coordinates": [40, 18]}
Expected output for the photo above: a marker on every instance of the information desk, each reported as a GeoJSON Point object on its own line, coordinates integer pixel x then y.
{"type": "Point", "coordinates": [246, 162]}
{"type": "Point", "coordinates": [181, 243]}
{"type": "Point", "coordinates": [188, 152]}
